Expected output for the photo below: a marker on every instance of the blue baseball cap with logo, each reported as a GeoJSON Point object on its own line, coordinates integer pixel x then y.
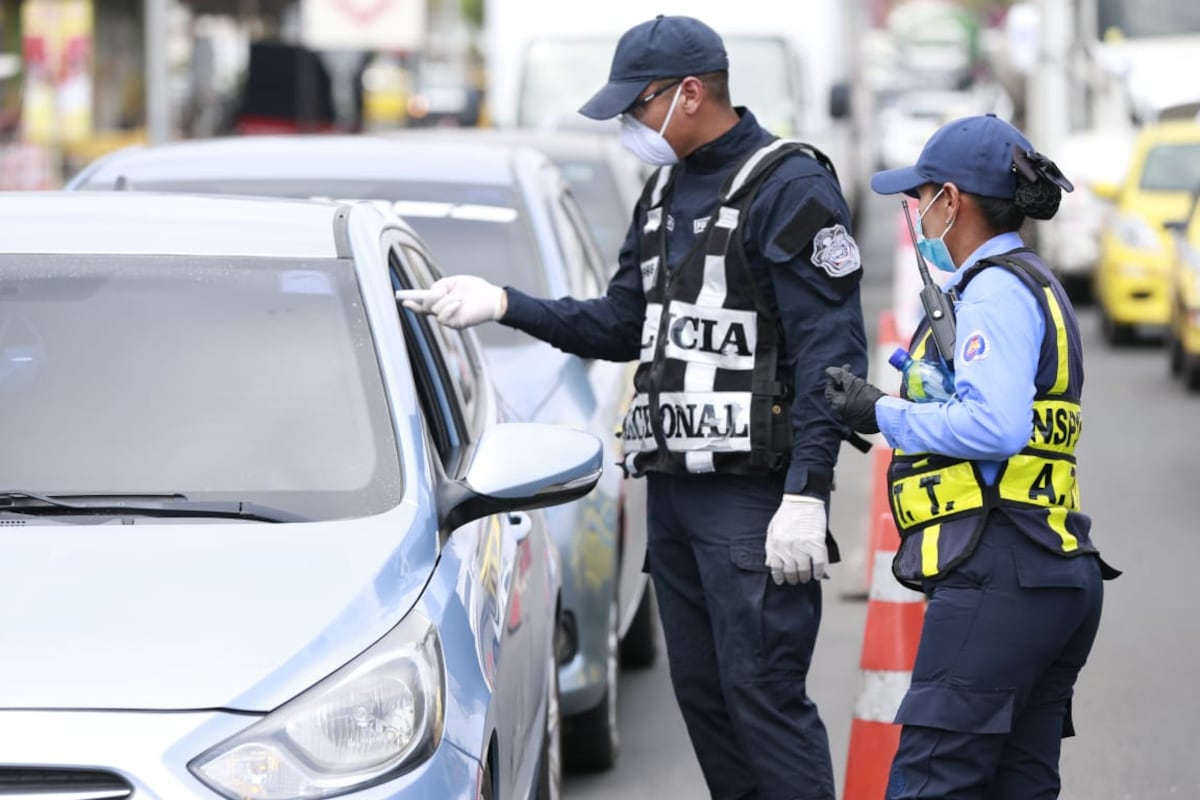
{"type": "Point", "coordinates": [664, 47]}
{"type": "Point", "coordinates": [973, 153]}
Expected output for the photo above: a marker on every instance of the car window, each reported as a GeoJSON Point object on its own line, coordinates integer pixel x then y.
{"type": "Point", "coordinates": [571, 248]}
{"type": "Point", "coordinates": [221, 379]}
{"type": "Point", "coordinates": [492, 242]}
{"type": "Point", "coordinates": [1172, 168]}
{"type": "Point", "coordinates": [595, 269]}
{"type": "Point", "coordinates": [595, 189]}
{"type": "Point", "coordinates": [441, 404]}
{"type": "Point", "coordinates": [458, 354]}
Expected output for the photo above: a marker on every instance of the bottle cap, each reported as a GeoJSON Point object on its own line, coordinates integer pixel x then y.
{"type": "Point", "coordinates": [898, 357]}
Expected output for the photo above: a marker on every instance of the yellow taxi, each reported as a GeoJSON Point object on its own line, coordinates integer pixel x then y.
{"type": "Point", "coordinates": [1132, 279]}
{"type": "Point", "coordinates": [1183, 335]}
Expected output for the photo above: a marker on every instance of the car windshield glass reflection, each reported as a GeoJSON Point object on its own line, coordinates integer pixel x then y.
{"type": "Point", "coordinates": [223, 379]}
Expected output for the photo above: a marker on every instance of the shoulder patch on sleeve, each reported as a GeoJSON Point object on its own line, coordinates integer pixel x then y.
{"type": "Point", "coordinates": [975, 348]}
{"type": "Point", "coordinates": [835, 251]}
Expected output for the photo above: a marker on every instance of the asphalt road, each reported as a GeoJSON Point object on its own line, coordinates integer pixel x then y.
{"type": "Point", "coordinates": [1138, 721]}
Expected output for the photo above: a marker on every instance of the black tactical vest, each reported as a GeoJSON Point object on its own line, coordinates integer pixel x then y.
{"type": "Point", "coordinates": [709, 396]}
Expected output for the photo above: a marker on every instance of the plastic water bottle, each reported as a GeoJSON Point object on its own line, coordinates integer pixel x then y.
{"type": "Point", "coordinates": [924, 381]}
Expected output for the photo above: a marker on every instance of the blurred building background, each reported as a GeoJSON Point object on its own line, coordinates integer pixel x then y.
{"type": "Point", "coordinates": [81, 77]}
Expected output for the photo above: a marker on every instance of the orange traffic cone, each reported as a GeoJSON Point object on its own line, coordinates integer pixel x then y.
{"type": "Point", "coordinates": [887, 339]}
{"type": "Point", "coordinates": [892, 633]}
{"type": "Point", "coordinates": [879, 503]}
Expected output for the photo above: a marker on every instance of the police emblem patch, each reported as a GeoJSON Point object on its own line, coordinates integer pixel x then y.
{"type": "Point", "coordinates": [975, 348]}
{"type": "Point", "coordinates": [835, 251]}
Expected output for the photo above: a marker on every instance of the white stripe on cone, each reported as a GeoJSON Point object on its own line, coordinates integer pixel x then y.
{"type": "Point", "coordinates": [880, 693]}
{"type": "Point", "coordinates": [885, 587]}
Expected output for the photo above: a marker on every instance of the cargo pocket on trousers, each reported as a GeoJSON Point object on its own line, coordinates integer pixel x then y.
{"type": "Point", "coordinates": [957, 708]}
{"type": "Point", "coordinates": [749, 556]}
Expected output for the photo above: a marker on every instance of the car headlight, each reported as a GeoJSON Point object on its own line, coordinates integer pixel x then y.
{"type": "Point", "coordinates": [1137, 233]}
{"type": "Point", "coordinates": [380, 714]}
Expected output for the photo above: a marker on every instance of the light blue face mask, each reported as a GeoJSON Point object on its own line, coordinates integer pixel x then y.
{"type": "Point", "coordinates": [934, 250]}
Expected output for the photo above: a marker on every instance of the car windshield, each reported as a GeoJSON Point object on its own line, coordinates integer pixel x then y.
{"type": "Point", "coordinates": [1172, 168]}
{"type": "Point", "coordinates": [491, 237]}
{"type": "Point", "coordinates": [559, 74]}
{"type": "Point", "coordinates": [217, 378]}
{"type": "Point", "coordinates": [1138, 18]}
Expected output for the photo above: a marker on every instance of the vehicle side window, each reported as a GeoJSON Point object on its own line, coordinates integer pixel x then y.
{"type": "Point", "coordinates": [595, 275]}
{"type": "Point", "coordinates": [572, 234]}
{"type": "Point", "coordinates": [459, 356]}
{"type": "Point", "coordinates": [440, 405]}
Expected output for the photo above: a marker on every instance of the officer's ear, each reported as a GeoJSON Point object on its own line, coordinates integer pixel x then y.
{"type": "Point", "coordinates": [691, 94]}
{"type": "Point", "coordinates": [954, 200]}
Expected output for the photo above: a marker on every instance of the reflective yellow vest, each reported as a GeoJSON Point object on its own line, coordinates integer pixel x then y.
{"type": "Point", "coordinates": [940, 504]}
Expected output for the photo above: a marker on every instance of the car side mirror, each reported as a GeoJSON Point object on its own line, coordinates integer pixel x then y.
{"type": "Point", "coordinates": [1105, 190]}
{"type": "Point", "coordinates": [520, 465]}
{"type": "Point", "coordinates": [839, 100]}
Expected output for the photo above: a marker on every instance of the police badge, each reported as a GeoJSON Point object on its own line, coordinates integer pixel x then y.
{"type": "Point", "coordinates": [835, 251]}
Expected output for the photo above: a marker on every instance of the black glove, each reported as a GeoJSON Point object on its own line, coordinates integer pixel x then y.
{"type": "Point", "coordinates": [852, 398]}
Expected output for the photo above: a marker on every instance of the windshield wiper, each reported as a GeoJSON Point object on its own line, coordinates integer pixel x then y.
{"type": "Point", "coordinates": [142, 505]}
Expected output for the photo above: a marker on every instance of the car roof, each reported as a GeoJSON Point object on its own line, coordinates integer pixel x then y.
{"type": "Point", "coordinates": [558, 144]}
{"type": "Point", "coordinates": [1170, 132]}
{"type": "Point", "coordinates": [305, 156]}
{"type": "Point", "coordinates": [166, 224]}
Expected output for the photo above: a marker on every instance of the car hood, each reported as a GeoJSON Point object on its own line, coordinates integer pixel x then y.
{"type": "Point", "coordinates": [1160, 207]}
{"type": "Point", "coordinates": [188, 616]}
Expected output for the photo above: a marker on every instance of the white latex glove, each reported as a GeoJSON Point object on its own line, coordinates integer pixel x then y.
{"type": "Point", "coordinates": [457, 301]}
{"type": "Point", "coordinates": [796, 540]}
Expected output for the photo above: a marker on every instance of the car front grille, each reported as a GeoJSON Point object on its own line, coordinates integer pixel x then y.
{"type": "Point", "coordinates": [39, 783]}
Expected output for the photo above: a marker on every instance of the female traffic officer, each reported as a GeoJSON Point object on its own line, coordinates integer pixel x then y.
{"type": "Point", "coordinates": [983, 485]}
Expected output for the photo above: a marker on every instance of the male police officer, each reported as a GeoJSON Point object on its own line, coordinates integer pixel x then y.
{"type": "Point", "coordinates": [983, 486]}
{"type": "Point", "coordinates": [738, 282]}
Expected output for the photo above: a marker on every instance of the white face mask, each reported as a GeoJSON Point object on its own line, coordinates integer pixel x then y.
{"type": "Point", "coordinates": [649, 145]}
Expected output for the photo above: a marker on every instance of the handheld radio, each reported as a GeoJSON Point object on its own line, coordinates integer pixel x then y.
{"type": "Point", "coordinates": [938, 305]}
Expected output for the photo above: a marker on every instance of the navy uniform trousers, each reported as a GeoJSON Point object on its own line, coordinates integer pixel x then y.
{"type": "Point", "coordinates": [739, 646]}
{"type": "Point", "coordinates": [1005, 636]}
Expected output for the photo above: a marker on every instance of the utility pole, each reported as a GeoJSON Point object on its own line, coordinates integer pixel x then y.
{"type": "Point", "coordinates": [1049, 100]}
{"type": "Point", "coordinates": [158, 112]}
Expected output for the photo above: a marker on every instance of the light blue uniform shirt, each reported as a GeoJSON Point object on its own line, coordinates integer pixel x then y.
{"type": "Point", "coordinates": [997, 347]}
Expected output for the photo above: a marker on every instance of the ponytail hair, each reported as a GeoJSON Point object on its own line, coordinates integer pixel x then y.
{"type": "Point", "coordinates": [1037, 199]}
{"type": "Point", "coordinates": [1040, 184]}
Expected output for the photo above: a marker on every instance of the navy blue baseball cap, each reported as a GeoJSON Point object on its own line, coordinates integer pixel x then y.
{"type": "Point", "coordinates": [973, 153]}
{"type": "Point", "coordinates": [664, 47]}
